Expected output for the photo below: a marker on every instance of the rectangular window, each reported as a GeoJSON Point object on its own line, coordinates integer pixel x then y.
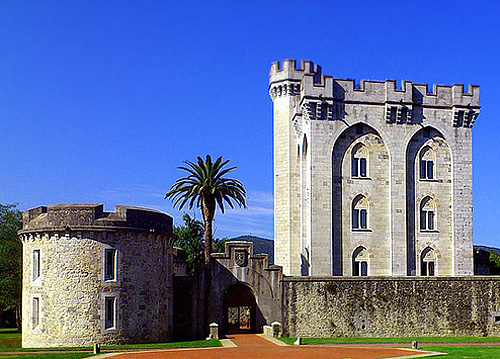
{"type": "Point", "coordinates": [109, 312]}
{"type": "Point", "coordinates": [364, 269]}
{"type": "Point", "coordinates": [36, 264]}
{"type": "Point", "coordinates": [36, 312]}
{"type": "Point", "coordinates": [423, 169]}
{"type": "Point", "coordinates": [110, 264]}
{"type": "Point", "coordinates": [362, 167]}
{"type": "Point", "coordinates": [355, 167]}
{"type": "Point", "coordinates": [404, 115]}
{"type": "Point", "coordinates": [356, 269]}
{"type": "Point", "coordinates": [423, 219]}
{"type": "Point", "coordinates": [394, 113]}
{"type": "Point", "coordinates": [423, 270]}
{"type": "Point", "coordinates": [431, 268]}
{"type": "Point", "coordinates": [430, 169]}
{"type": "Point", "coordinates": [363, 219]}
{"type": "Point", "coordinates": [430, 220]}
{"type": "Point", "coordinates": [355, 218]}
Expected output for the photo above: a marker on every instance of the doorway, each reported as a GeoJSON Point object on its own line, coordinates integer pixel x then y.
{"type": "Point", "coordinates": [239, 309]}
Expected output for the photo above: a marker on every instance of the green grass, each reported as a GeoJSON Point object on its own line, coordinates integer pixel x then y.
{"type": "Point", "coordinates": [427, 340]}
{"type": "Point", "coordinates": [9, 338]}
{"type": "Point", "coordinates": [10, 341]}
{"type": "Point", "coordinates": [467, 352]}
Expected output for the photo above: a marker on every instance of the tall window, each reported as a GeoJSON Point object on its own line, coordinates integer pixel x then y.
{"type": "Point", "coordinates": [36, 264]}
{"type": "Point", "coordinates": [360, 213]}
{"type": "Point", "coordinates": [428, 262]}
{"type": "Point", "coordinates": [359, 161]}
{"type": "Point", "coordinates": [109, 312]}
{"type": "Point", "coordinates": [427, 214]}
{"type": "Point", "coordinates": [36, 312]}
{"type": "Point", "coordinates": [360, 262]}
{"type": "Point", "coordinates": [110, 264]}
{"type": "Point", "coordinates": [427, 163]}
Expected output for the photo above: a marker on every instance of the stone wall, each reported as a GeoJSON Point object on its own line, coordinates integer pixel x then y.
{"type": "Point", "coordinates": [71, 288]}
{"type": "Point", "coordinates": [391, 306]}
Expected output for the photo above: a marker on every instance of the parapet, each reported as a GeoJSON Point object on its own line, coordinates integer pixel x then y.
{"type": "Point", "coordinates": [308, 81]}
{"type": "Point", "coordinates": [73, 217]}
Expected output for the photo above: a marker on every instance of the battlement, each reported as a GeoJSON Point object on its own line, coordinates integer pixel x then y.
{"type": "Point", "coordinates": [308, 81]}
{"type": "Point", "coordinates": [68, 217]}
{"type": "Point", "coordinates": [288, 70]}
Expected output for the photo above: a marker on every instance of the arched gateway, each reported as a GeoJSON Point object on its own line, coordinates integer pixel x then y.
{"type": "Point", "coordinates": [245, 292]}
{"type": "Point", "coordinates": [239, 308]}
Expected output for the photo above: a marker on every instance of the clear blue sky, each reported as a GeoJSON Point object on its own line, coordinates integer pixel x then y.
{"type": "Point", "coordinates": [100, 101]}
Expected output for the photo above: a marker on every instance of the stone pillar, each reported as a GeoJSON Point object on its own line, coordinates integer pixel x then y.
{"type": "Point", "coordinates": [276, 329]}
{"type": "Point", "coordinates": [214, 331]}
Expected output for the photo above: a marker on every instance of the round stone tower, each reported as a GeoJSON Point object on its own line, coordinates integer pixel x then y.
{"type": "Point", "coordinates": [91, 276]}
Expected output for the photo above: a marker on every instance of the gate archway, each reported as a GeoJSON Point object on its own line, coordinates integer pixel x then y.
{"type": "Point", "coordinates": [239, 309]}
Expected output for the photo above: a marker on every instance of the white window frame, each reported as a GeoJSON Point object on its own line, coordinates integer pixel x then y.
{"type": "Point", "coordinates": [35, 312]}
{"type": "Point", "coordinates": [116, 315]}
{"type": "Point", "coordinates": [357, 160]}
{"type": "Point", "coordinates": [105, 250]}
{"type": "Point", "coordinates": [36, 267]}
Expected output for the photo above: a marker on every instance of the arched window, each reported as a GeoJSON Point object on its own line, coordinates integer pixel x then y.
{"type": "Point", "coordinates": [360, 213]}
{"type": "Point", "coordinates": [427, 159]}
{"type": "Point", "coordinates": [427, 214]}
{"type": "Point", "coordinates": [359, 161]}
{"type": "Point", "coordinates": [360, 262]}
{"type": "Point", "coordinates": [428, 262]}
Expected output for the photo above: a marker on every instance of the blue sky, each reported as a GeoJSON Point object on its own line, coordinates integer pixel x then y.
{"type": "Point", "coordinates": [101, 101]}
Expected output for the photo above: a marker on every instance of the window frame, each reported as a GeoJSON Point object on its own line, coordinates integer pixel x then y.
{"type": "Point", "coordinates": [113, 322]}
{"type": "Point", "coordinates": [426, 166]}
{"type": "Point", "coordinates": [359, 216]}
{"type": "Point", "coordinates": [36, 265]}
{"type": "Point", "coordinates": [105, 277]}
{"type": "Point", "coordinates": [110, 269]}
{"type": "Point", "coordinates": [427, 217]}
{"type": "Point", "coordinates": [359, 162]}
{"type": "Point", "coordinates": [359, 265]}
{"type": "Point", "coordinates": [428, 267]}
{"type": "Point", "coordinates": [35, 313]}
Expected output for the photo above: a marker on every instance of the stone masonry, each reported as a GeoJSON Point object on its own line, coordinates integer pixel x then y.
{"type": "Point", "coordinates": [391, 306]}
{"type": "Point", "coordinates": [68, 300]}
{"type": "Point", "coordinates": [371, 177]}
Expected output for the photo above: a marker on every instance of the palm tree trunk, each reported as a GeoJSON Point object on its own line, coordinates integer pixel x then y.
{"type": "Point", "coordinates": [208, 241]}
{"type": "Point", "coordinates": [208, 208]}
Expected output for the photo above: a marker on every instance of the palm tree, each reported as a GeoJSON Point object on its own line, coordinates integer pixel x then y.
{"type": "Point", "coordinates": [206, 187]}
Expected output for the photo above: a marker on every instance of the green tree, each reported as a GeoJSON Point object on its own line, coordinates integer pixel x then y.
{"type": "Point", "coordinates": [10, 260]}
{"type": "Point", "coordinates": [189, 237]}
{"type": "Point", "coordinates": [206, 187]}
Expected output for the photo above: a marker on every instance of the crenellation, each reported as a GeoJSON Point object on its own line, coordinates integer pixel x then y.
{"type": "Point", "coordinates": [314, 83]}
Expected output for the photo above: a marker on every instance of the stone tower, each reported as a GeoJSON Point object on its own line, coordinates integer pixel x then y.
{"type": "Point", "coordinates": [91, 276]}
{"type": "Point", "coordinates": [370, 178]}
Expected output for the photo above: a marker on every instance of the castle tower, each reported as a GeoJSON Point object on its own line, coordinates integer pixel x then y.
{"type": "Point", "coordinates": [91, 276]}
{"type": "Point", "coordinates": [371, 179]}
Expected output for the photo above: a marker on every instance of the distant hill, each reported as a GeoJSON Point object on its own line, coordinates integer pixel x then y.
{"type": "Point", "coordinates": [260, 245]}
{"type": "Point", "coordinates": [486, 248]}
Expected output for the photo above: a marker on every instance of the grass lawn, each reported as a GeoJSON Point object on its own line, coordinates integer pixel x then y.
{"type": "Point", "coordinates": [467, 353]}
{"type": "Point", "coordinates": [10, 341]}
{"type": "Point", "coordinates": [427, 340]}
{"type": "Point", "coordinates": [9, 338]}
